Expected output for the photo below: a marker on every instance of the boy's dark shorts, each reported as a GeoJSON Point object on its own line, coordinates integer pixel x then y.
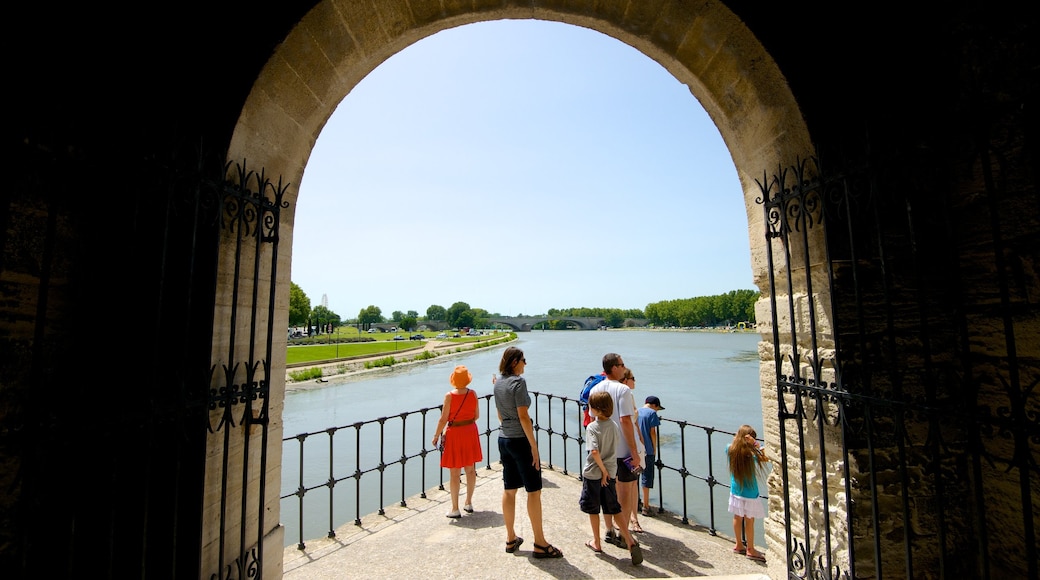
{"type": "Point", "coordinates": [518, 468]}
{"type": "Point", "coordinates": [596, 497]}
{"type": "Point", "coordinates": [624, 474]}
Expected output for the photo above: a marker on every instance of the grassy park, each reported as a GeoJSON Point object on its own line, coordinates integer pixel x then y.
{"type": "Point", "coordinates": [374, 344]}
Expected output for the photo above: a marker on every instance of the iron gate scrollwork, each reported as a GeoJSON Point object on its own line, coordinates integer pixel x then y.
{"type": "Point", "coordinates": [239, 400]}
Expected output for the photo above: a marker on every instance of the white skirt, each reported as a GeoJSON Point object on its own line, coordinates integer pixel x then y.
{"type": "Point", "coordinates": [746, 507]}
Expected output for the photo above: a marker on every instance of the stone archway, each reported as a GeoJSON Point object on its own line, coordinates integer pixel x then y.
{"type": "Point", "coordinates": [337, 44]}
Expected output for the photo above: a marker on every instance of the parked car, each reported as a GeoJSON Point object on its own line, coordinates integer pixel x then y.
{"type": "Point", "coordinates": [398, 337]}
{"type": "Point", "coordinates": [442, 335]}
{"type": "Point", "coordinates": [417, 337]}
{"type": "Point", "coordinates": [456, 335]}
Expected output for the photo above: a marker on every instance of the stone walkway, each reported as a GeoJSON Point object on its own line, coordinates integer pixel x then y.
{"type": "Point", "coordinates": [418, 541]}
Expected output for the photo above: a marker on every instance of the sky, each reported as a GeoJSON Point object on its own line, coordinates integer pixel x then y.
{"type": "Point", "coordinates": [518, 166]}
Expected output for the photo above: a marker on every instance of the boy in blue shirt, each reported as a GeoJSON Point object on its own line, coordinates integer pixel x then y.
{"type": "Point", "coordinates": [649, 421]}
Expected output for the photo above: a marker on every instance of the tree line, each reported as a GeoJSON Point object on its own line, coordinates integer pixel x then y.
{"type": "Point", "coordinates": [723, 309]}
{"type": "Point", "coordinates": [730, 308]}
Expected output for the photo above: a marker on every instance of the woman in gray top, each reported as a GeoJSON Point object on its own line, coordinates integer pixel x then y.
{"type": "Point", "coordinates": [518, 450]}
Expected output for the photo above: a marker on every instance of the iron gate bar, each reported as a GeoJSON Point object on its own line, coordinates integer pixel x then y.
{"type": "Point", "coordinates": [1022, 458]}
{"type": "Point", "coordinates": [247, 214]}
{"type": "Point", "coordinates": [790, 211]}
{"type": "Point", "coordinates": [909, 418]}
{"type": "Point", "coordinates": [806, 192]}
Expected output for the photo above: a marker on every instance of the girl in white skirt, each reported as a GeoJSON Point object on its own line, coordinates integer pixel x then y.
{"type": "Point", "coordinates": [746, 458]}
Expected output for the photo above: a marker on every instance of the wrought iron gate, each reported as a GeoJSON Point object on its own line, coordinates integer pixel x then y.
{"type": "Point", "coordinates": [249, 217]}
{"type": "Point", "coordinates": [892, 447]}
{"type": "Point", "coordinates": [808, 388]}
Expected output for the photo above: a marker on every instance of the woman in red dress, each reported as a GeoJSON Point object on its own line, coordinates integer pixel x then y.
{"type": "Point", "coordinates": [459, 413]}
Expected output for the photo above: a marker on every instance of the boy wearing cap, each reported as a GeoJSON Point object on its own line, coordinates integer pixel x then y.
{"type": "Point", "coordinates": [649, 421]}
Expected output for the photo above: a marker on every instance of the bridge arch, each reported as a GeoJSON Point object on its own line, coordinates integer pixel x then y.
{"type": "Point", "coordinates": [336, 44]}
{"type": "Point", "coordinates": [526, 323]}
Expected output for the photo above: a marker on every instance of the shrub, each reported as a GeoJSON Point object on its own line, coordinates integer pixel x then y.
{"type": "Point", "coordinates": [388, 361]}
{"type": "Point", "coordinates": [305, 375]}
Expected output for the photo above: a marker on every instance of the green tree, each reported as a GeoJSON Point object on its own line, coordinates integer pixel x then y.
{"type": "Point", "coordinates": [408, 323]}
{"type": "Point", "coordinates": [614, 318]}
{"type": "Point", "coordinates": [732, 307]}
{"type": "Point", "coordinates": [413, 314]}
{"type": "Point", "coordinates": [480, 318]}
{"type": "Point", "coordinates": [369, 315]}
{"type": "Point", "coordinates": [454, 311]}
{"type": "Point", "coordinates": [299, 305]}
{"type": "Point", "coordinates": [322, 316]}
{"type": "Point", "coordinates": [466, 318]}
{"type": "Point", "coordinates": [435, 312]}
{"type": "Point", "coordinates": [397, 316]}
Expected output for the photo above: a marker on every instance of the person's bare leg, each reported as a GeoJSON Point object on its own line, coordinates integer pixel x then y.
{"type": "Point", "coordinates": [534, 513]}
{"type": "Point", "coordinates": [471, 482]}
{"type": "Point", "coordinates": [509, 512]}
{"type": "Point", "coordinates": [597, 544]}
{"type": "Point", "coordinates": [626, 497]}
{"type": "Point", "coordinates": [738, 532]}
{"type": "Point", "coordinates": [453, 486]}
{"type": "Point", "coordinates": [749, 534]}
{"type": "Point", "coordinates": [633, 500]}
{"type": "Point", "coordinates": [646, 499]}
{"type": "Point", "coordinates": [634, 518]}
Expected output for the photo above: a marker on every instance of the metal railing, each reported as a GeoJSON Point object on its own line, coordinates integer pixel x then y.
{"type": "Point", "coordinates": [558, 427]}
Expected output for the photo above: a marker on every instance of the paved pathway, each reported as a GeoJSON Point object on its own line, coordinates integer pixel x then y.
{"type": "Point", "coordinates": [418, 541]}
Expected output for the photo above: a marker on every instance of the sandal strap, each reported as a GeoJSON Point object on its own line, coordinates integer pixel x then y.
{"type": "Point", "coordinates": [548, 549]}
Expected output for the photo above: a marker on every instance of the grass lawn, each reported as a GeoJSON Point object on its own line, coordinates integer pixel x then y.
{"type": "Point", "coordinates": [383, 343]}
{"type": "Point", "coordinates": [301, 354]}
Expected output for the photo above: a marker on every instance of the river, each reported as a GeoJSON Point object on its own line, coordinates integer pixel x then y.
{"type": "Point", "coordinates": [704, 378]}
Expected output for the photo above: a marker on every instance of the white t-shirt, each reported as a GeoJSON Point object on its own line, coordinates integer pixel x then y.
{"type": "Point", "coordinates": [624, 405]}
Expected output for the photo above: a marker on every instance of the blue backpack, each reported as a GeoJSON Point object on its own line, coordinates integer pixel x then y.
{"type": "Point", "coordinates": [590, 382]}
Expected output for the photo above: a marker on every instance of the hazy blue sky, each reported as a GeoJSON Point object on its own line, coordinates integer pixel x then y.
{"type": "Point", "coordinates": [518, 166]}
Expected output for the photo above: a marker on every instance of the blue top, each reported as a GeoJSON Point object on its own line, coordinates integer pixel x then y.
{"type": "Point", "coordinates": [510, 393]}
{"type": "Point", "coordinates": [648, 420]}
{"type": "Point", "coordinates": [745, 489]}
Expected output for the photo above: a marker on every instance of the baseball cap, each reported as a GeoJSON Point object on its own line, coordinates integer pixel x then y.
{"type": "Point", "coordinates": [652, 400]}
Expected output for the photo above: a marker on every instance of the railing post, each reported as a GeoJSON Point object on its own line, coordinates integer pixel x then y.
{"type": "Point", "coordinates": [332, 480]}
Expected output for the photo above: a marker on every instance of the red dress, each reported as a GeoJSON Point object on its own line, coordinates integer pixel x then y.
{"type": "Point", "coordinates": [462, 444]}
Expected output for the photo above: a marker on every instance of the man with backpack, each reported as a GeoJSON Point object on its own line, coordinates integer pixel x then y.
{"type": "Point", "coordinates": [627, 460]}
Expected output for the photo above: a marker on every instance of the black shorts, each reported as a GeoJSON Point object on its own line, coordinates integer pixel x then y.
{"type": "Point", "coordinates": [624, 474]}
{"type": "Point", "coordinates": [518, 469]}
{"type": "Point", "coordinates": [595, 497]}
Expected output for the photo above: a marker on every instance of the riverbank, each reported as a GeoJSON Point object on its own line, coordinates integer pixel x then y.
{"type": "Point", "coordinates": [342, 370]}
